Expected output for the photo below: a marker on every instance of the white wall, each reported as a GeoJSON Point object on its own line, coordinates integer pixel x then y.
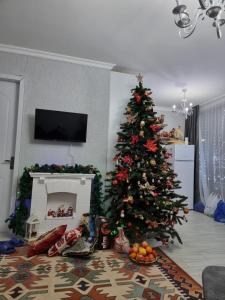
{"type": "Point", "coordinates": [68, 87]}
{"type": "Point", "coordinates": [120, 86]}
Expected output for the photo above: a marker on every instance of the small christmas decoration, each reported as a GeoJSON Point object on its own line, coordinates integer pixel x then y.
{"type": "Point", "coordinates": [114, 233]}
{"type": "Point", "coordinates": [138, 98]}
{"type": "Point", "coordinates": [70, 211]}
{"type": "Point", "coordinates": [153, 162]}
{"type": "Point", "coordinates": [122, 214]}
{"type": "Point", "coordinates": [139, 78]}
{"type": "Point", "coordinates": [129, 199]}
{"type": "Point", "coordinates": [128, 160]}
{"type": "Point", "coordinates": [141, 133]}
{"type": "Point", "coordinates": [32, 228]}
{"type": "Point", "coordinates": [128, 109]}
{"type": "Point", "coordinates": [148, 93]}
{"type": "Point", "coordinates": [142, 124]}
{"type": "Point", "coordinates": [131, 118]}
{"type": "Point", "coordinates": [129, 225]}
{"type": "Point", "coordinates": [134, 139]}
{"type": "Point", "coordinates": [151, 146]}
{"type": "Point", "coordinates": [155, 127]}
{"type": "Point", "coordinates": [120, 139]}
{"type": "Point", "coordinates": [149, 108]}
{"type": "Point", "coordinates": [122, 175]}
{"type": "Point", "coordinates": [186, 210]}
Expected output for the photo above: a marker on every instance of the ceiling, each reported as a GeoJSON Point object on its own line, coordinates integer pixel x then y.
{"type": "Point", "coordinates": [136, 35]}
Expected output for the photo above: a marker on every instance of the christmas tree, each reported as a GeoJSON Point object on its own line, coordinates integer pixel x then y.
{"type": "Point", "coordinates": [141, 188]}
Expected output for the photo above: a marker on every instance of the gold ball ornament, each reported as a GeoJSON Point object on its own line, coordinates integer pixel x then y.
{"type": "Point", "coordinates": [153, 162]}
{"type": "Point", "coordinates": [186, 210]}
{"type": "Point", "coordinates": [128, 109]}
{"type": "Point", "coordinates": [130, 199]}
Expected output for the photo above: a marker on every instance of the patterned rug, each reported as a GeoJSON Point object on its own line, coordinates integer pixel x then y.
{"type": "Point", "coordinates": [105, 276]}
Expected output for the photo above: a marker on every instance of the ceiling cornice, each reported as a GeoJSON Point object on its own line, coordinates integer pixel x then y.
{"type": "Point", "coordinates": [56, 56]}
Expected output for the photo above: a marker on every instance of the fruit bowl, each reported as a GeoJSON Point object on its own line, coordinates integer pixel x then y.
{"type": "Point", "coordinates": [145, 263]}
{"type": "Point", "coordinates": [142, 253]}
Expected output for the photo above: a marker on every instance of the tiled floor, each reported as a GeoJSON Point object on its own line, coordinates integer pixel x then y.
{"type": "Point", "coordinates": [203, 244]}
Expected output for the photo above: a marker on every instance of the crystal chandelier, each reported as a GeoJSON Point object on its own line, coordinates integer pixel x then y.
{"type": "Point", "coordinates": [184, 107]}
{"type": "Point", "coordinates": [211, 8]}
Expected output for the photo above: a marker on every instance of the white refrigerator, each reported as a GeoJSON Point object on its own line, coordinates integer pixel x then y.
{"type": "Point", "coordinates": [183, 165]}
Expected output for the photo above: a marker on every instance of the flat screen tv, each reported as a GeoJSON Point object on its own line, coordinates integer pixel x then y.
{"type": "Point", "coordinates": [60, 126]}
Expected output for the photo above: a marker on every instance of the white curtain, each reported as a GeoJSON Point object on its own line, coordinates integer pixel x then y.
{"type": "Point", "coordinates": [212, 149]}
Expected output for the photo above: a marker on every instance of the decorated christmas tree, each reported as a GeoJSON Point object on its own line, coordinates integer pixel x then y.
{"type": "Point", "coordinates": [140, 190]}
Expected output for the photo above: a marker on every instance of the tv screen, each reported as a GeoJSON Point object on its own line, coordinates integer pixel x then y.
{"type": "Point", "coordinates": [60, 126]}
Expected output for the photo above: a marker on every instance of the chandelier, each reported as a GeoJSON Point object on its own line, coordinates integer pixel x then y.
{"type": "Point", "coordinates": [211, 8]}
{"type": "Point", "coordinates": [184, 107]}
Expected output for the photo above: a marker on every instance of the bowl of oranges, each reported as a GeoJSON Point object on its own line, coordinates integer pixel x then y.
{"type": "Point", "coordinates": [142, 253]}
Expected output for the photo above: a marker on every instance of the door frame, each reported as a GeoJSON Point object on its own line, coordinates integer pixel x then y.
{"type": "Point", "coordinates": [18, 79]}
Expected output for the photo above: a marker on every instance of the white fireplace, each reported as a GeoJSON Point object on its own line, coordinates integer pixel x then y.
{"type": "Point", "coordinates": [60, 198]}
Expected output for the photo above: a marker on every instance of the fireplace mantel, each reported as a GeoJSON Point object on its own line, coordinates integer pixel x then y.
{"type": "Point", "coordinates": [62, 175]}
{"type": "Point", "coordinates": [48, 186]}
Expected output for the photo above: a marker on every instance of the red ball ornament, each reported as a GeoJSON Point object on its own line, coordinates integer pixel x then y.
{"type": "Point", "coordinates": [129, 225]}
{"type": "Point", "coordinates": [114, 182]}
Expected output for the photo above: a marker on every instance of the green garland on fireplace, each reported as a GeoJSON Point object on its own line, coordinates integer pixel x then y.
{"type": "Point", "coordinates": [16, 221]}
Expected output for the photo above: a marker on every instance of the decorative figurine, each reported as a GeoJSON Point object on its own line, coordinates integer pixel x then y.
{"type": "Point", "coordinates": [70, 211]}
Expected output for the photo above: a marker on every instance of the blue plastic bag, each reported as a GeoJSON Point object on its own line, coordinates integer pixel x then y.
{"type": "Point", "coordinates": [199, 207]}
{"type": "Point", "coordinates": [219, 214]}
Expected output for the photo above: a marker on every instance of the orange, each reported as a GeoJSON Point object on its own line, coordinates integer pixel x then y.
{"type": "Point", "coordinates": [147, 259]}
{"type": "Point", "coordinates": [135, 249]}
{"type": "Point", "coordinates": [133, 255]}
{"type": "Point", "coordinates": [149, 249]}
{"type": "Point", "coordinates": [151, 257]}
{"type": "Point", "coordinates": [144, 244]}
{"type": "Point", "coordinates": [139, 257]}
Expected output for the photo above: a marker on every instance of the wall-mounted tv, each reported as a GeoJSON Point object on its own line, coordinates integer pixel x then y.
{"type": "Point", "coordinates": [60, 126]}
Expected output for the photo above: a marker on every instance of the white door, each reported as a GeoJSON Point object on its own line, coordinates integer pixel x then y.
{"type": "Point", "coordinates": [8, 120]}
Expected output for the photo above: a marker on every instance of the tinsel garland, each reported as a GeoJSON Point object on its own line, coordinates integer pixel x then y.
{"type": "Point", "coordinates": [16, 221]}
